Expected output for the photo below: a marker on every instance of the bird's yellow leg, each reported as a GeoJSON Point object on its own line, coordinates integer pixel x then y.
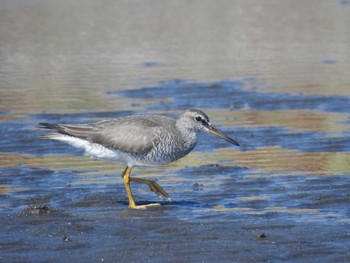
{"type": "Point", "coordinates": [153, 186]}
{"type": "Point", "coordinates": [126, 177]}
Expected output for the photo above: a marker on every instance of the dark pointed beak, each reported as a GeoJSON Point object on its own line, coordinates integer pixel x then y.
{"type": "Point", "coordinates": [213, 130]}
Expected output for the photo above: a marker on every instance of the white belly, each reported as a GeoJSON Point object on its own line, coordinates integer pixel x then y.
{"type": "Point", "coordinates": [97, 151]}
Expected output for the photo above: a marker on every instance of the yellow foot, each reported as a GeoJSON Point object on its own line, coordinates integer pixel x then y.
{"type": "Point", "coordinates": [144, 207]}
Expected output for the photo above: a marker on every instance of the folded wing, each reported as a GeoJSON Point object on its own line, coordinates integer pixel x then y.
{"type": "Point", "coordinates": [134, 134]}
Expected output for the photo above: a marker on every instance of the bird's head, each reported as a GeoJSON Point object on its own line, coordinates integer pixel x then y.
{"type": "Point", "coordinates": [197, 121]}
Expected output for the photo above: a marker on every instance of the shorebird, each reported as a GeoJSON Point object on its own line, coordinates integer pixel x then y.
{"type": "Point", "coordinates": [138, 140]}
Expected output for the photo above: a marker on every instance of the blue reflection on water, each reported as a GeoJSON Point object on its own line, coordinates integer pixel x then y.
{"type": "Point", "coordinates": [231, 95]}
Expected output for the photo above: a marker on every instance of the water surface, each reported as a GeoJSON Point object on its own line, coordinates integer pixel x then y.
{"type": "Point", "coordinates": [278, 84]}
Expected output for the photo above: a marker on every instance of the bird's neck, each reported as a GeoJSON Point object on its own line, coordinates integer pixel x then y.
{"type": "Point", "coordinates": [189, 136]}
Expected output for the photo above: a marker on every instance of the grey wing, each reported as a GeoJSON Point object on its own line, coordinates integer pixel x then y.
{"type": "Point", "coordinates": [131, 135]}
{"type": "Point", "coordinates": [81, 130]}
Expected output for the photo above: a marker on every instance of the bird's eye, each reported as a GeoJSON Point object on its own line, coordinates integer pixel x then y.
{"type": "Point", "coordinates": [198, 118]}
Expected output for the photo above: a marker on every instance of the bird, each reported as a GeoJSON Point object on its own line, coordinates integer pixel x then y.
{"type": "Point", "coordinates": [138, 140]}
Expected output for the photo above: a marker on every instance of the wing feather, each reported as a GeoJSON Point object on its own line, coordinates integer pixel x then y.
{"type": "Point", "coordinates": [132, 134]}
{"type": "Point", "coordinates": [129, 134]}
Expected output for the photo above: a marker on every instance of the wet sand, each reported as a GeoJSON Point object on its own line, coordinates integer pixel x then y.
{"type": "Point", "coordinates": [273, 75]}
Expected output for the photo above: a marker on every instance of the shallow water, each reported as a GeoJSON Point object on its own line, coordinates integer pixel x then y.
{"type": "Point", "coordinates": [277, 84]}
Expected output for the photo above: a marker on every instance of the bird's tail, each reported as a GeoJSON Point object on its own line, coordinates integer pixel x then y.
{"type": "Point", "coordinates": [80, 131]}
{"type": "Point", "coordinates": [50, 136]}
